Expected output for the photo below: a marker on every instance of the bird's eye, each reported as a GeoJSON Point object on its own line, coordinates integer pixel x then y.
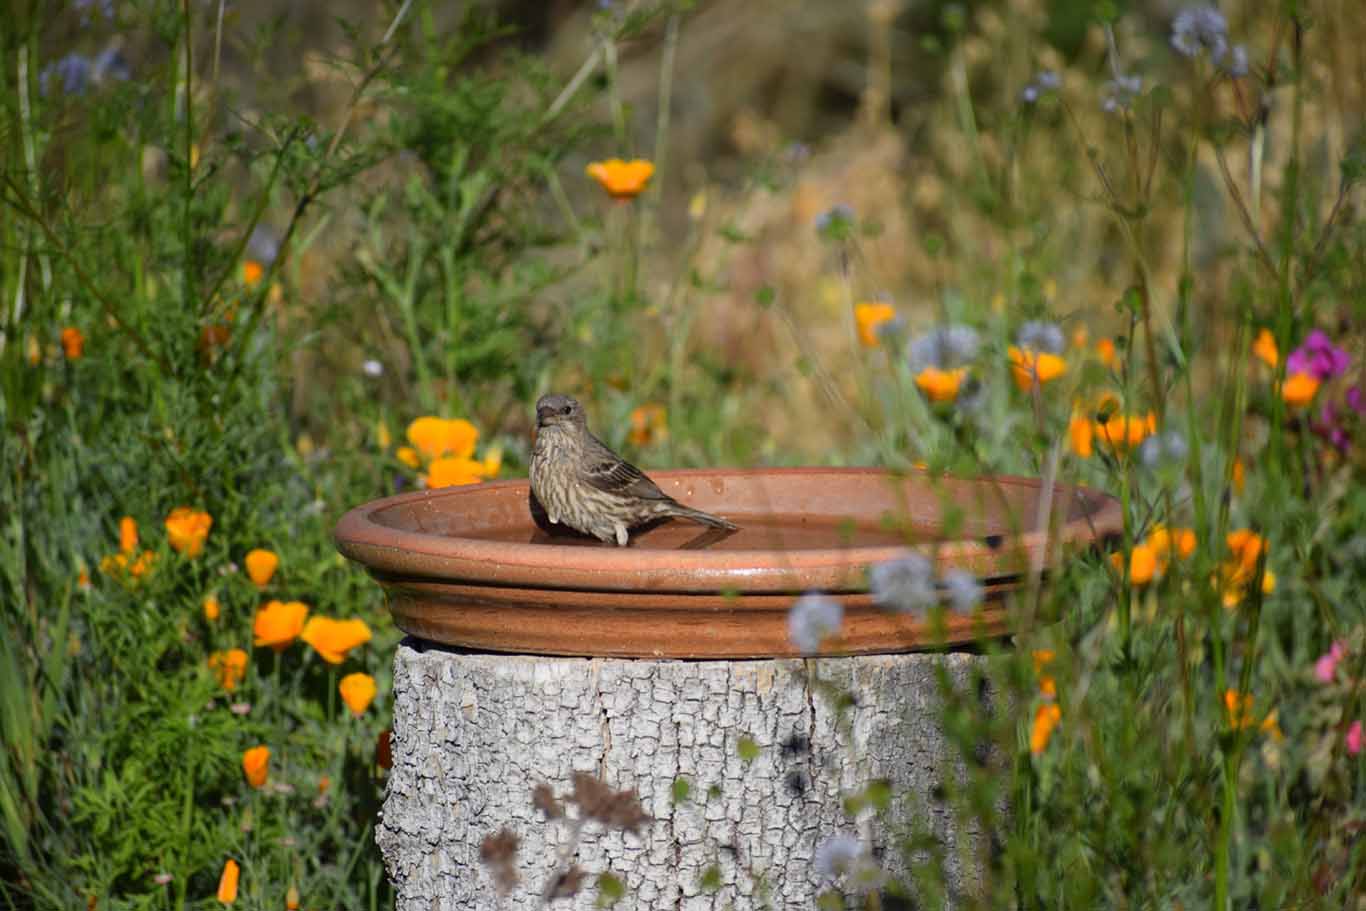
{"type": "Point", "coordinates": [566, 409]}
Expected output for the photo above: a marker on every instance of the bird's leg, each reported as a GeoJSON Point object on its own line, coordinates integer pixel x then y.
{"type": "Point", "coordinates": [622, 536]}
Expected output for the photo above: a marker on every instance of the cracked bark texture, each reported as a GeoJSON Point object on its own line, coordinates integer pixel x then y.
{"type": "Point", "coordinates": [473, 733]}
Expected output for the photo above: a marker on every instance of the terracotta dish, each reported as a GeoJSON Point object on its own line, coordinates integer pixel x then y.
{"type": "Point", "coordinates": [467, 566]}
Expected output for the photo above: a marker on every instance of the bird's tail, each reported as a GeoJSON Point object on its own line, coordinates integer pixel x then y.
{"type": "Point", "coordinates": [704, 518]}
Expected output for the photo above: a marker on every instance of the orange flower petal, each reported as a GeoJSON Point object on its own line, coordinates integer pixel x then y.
{"type": "Point", "coordinates": [256, 765]}
{"type": "Point", "coordinates": [332, 639]}
{"type": "Point", "coordinates": [357, 691]}
{"type": "Point", "coordinates": [261, 565]}
{"type": "Point", "coordinates": [187, 528]}
{"type": "Point", "coordinates": [453, 471]}
{"type": "Point", "coordinates": [1299, 389]}
{"type": "Point", "coordinates": [1046, 718]}
{"type": "Point", "coordinates": [279, 623]}
{"type": "Point", "coordinates": [1265, 348]}
{"type": "Point", "coordinates": [229, 667]}
{"type": "Point", "coordinates": [1028, 366]}
{"type": "Point", "coordinates": [73, 343]}
{"type": "Point", "coordinates": [211, 608]}
{"type": "Point", "coordinates": [940, 385]}
{"type": "Point", "coordinates": [128, 534]}
{"type": "Point", "coordinates": [870, 316]}
{"type": "Point", "coordinates": [622, 179]}
{"type": "Point", "coordinates": [227, 882]}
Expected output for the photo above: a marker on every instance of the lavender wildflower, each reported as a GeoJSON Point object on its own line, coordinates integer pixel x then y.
{"type": "Point", "coordinates": [836, 855]}
{"type": "Point", "coordinates": [811, 618]}
{"type": "Point", "coordinates": [1163, 449]}
{"type": "Point", "coordinates": [372, 367]}
{"type": "Point", "coordinates": [1045, 82]}
{"type": "Point", "coordinates": [835, 221]}
{"type": "Point", "coordinates": [263, 245]}
{"type": "Point", "coordinates": [73, 71]}
{"type": "Point", "coordinates": [83, 7]}
{"type": "Point", "coordinates": [904, 585]}
{"type": "Point", "coordinates": [1319, 357]}
{"type": "Point", "coordinates": [110, 64]}
{"type": "Point", "coordinates": [1237, 65]}
{"type": "Point", "coordinates": [1120, 93]}
{"type": "Point", "coordinates": [1037, 335]}
{"type": "Point", "coordinates": [965, 592]}
{"type": "Point", "coordinates": [1200, 28]}
{"type": "Point", "coordinates": [945, 348]}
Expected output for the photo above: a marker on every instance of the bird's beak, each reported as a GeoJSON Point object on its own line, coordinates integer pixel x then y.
{"type": "Point", "coordinates": [543, 416]}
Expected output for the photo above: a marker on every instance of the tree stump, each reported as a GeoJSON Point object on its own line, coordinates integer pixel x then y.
{"type": "Point", "coordinates": [766, 756]}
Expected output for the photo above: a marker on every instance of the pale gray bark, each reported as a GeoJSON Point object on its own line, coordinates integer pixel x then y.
{"type": "Point", "coordinates": [473, 733]}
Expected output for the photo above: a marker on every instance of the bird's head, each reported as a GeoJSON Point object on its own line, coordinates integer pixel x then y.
{"type": "Point", "coordinates": [558, 410]}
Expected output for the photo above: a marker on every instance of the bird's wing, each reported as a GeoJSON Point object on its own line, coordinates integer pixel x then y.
{"type": "Point", "coordinates": [609, 472]}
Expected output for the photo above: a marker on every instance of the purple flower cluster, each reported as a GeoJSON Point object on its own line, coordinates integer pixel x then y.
{"type": "Point", "coordinates": [1319, 357]}
{"type": "Point", "coordinates": [1323, 360]}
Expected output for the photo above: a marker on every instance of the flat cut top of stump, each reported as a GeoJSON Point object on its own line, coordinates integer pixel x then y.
{"type": "Point", "coordinates": [469, 566]}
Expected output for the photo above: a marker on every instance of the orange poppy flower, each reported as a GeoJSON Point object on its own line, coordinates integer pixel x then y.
{"type": "Point", "coordinates": [1105, 351]}
{"type": "Point", "coordinates": [229, 667]}
{"type": "Point", "coordinates": [1299, 389]}
{"type": "Point", "coordinates": [279, 623]}
{"type": "Point", "coordinates": [128, 534]}
{"type": "Point", "coordinates": [252, 272]}
{"type": "Point", "coordinates": [332, 639]}
{"type": "Point", "coordinates": [1029, 366]}
{"type": "Point", "coordinates": [1080, 434]}
{"type": "Point", "coordinates": [227, 883]}
{"type": "Point", "coordinates": [1122, 432]}
{"type": "Point", "coordinates": [261, 565]}
{"type": "Point", "coordinates": [622, 179]}
{"type": "Point", "coordinates": [869, 316]}
{"type": "Point", "coordinates": [435, 437]}
{"type": "Point", "coordinates": [1239, 708]}
{"type": "Point", "coordinates": [292, 898]}
{"type": "Point", "coordinates": [1046, 718]}
{"type": "Point", "coordinates": [187, 528]}
{"type": "Point", "coordinates": [73, 343]}
{"type": "Point", "coordinates": [1143, 564]}
{"type": "Point", "coordinates": [408, 456]}
{"type": "Point", "coordinates": [1239, 475]}
{"type": "Point", "coordinates": [1264, 347]}
{"type": "Point", "coordinates": [453, 471]}
{"type": "Point", "coordinates": [940, 385]}
{"type": "Point", "coordinates": [212, 608]}
{"type": "Point", "coordinates": [1043, 657]}
{"type": "Point", "coordinates": [357, 691]}
{"type": "Point", "coordinates": [256, 765]}
{"type": "Point", "coordinates": [648, 424]}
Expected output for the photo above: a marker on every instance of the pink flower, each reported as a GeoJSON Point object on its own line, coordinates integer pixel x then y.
{"type": "Point", "coordinates": [1354, 739]}
{"type": "Point", "coordinates": [1327, 665]}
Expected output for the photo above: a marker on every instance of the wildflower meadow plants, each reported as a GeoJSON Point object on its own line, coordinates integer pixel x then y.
{"type": "Point", "coordinates": [1138, 269]}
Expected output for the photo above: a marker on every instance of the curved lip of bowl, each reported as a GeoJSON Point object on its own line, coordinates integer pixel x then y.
{"type": "Point", "coordinates": [393, 554]}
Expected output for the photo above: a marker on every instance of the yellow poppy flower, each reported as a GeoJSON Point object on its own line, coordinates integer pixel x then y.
{"type": "Point", "coordinates": [227, 882]}
{"type": "Point", "coordinates": [869, 316]}
{"type": "Point", "coordinates": [1046, 718]}
{"type": "Point", "coordinates": [229, 667]}
{"type": "Point", "coordinates": [1027, 366]}
{"type": "Point", "coordinates": [408, 456]}
{"type": "Point", "coordinates": [1299, 389]}
{"type": "Point", "coordinates": [187, 528]}
{"type": "Point", "coordinates": [292, 898]}
{"type": "Point", "coordinates": [279, 623]}
{"type": "Point", "coordinates": [622, 179]}
{"type": "Point", "coordinates": [1264, 347]}
{"type": "Point", "coordinates": [73, 343]}
{"type": "Point", "coordinates": [357, 691]}
{"type": "Point", "coordinates": [261, 565]}
{"type": "Point", "coordinates": [940, 385]}
{"type": "Point", "coordinates": [332, 639]}
{"type": "Point", "coordinates": [256, 765]}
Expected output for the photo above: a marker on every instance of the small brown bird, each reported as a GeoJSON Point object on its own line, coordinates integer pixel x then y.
{"type": "Point", "coordinates": [580, 482]}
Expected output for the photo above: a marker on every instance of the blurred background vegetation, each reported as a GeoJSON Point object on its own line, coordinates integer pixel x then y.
{"type": "Point", "coordinates": [283, 232]}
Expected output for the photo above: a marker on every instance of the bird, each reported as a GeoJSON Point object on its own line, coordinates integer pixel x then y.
{"type": "Point", "coordinates": [580, 482]}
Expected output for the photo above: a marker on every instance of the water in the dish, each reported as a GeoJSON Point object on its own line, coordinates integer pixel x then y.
{"type": "Point", "coordinates": [770, 533]}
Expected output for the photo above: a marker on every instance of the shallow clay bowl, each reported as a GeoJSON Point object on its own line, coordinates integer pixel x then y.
{"type": "Point", "coordinates": [468, 566]}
